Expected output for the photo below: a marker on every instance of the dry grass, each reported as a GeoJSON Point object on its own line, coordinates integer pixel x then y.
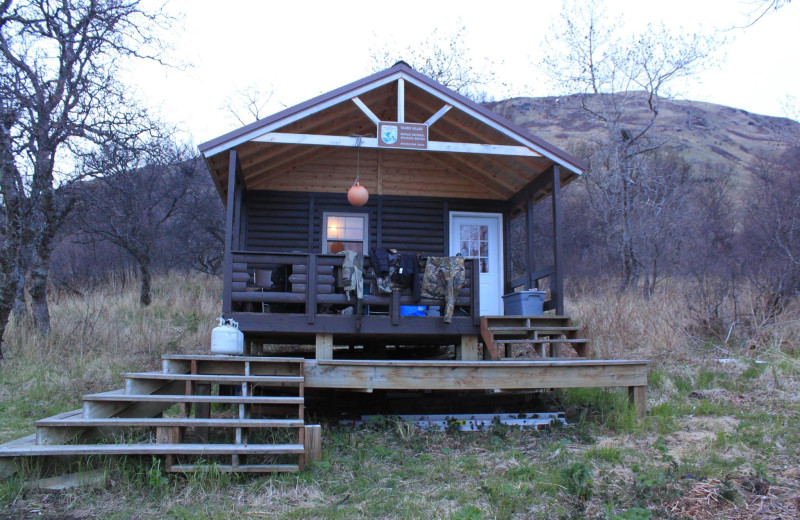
{"type": "Point", "coordinates": [720, 441]}
{"type": "Point", "coordinates": [95, 338]}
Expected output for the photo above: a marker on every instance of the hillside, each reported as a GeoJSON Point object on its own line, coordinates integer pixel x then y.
{"type": "Point", "coordinates": [703, 132]}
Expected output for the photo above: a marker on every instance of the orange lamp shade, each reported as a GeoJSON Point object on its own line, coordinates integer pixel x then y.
{"type": "Point", "coordinates": [357, 195]}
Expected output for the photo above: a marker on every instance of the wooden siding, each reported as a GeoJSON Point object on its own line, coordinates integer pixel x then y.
{"type": "Point", "coordinates": [279, 221]}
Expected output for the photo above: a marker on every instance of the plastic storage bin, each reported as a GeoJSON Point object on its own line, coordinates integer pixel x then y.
{"type": "Point", "coordinates": [524, 303]}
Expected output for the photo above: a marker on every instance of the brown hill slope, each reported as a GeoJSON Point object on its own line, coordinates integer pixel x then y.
{"type": "Point", "coordinates": [702, 132]}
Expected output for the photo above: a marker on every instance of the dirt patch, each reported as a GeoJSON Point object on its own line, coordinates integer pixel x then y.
{"type": "Point", "coordinates": [696, 434]}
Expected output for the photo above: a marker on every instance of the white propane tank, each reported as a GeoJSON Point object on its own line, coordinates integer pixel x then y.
{"type": "Point", "coordinates": [227, 338]}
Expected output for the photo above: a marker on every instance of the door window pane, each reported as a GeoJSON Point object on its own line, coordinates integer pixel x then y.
{"type": "Point", "coordinates": [474, 243]}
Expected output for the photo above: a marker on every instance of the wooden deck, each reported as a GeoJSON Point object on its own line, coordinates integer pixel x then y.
{"type": "Point", "coordinates": [192, 382]}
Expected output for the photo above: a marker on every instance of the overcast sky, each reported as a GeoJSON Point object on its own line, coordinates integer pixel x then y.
{"type": "Point", "coordinates": [301, 49]}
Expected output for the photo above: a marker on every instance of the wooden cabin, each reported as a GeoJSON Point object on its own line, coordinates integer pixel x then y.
{"type": "Point", "coordinates": [444, 175]}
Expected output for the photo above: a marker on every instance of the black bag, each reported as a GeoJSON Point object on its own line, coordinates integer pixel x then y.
{"type": "Point", "coordinates": [404, 276]}
{"type": "Point", "coordinates": [380, 260]}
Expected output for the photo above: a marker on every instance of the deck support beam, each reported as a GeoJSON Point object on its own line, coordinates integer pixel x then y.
{"type": "Point", "coordinates": [324, 346]}
{"type": "Point", "coordinates": [312, 442]}
{"type": "Point", "coordinates": [637, 397]}
{"type": "Point", "coordinates": [474, 375]}
{"type": "Point", "coordinates": [468, 349]}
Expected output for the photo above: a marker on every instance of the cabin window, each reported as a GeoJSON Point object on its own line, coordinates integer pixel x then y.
{"type": "Point", "coordinates": [345, 231]}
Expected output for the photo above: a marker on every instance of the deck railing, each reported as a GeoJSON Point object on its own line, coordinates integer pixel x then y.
{"type": "Point", "coordinates": [295, 292]}
{"type": "Point", "coordinates": [534, 280]}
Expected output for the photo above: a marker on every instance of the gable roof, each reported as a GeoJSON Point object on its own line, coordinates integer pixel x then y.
{"type": "Point", "coordinates": [273, 163]}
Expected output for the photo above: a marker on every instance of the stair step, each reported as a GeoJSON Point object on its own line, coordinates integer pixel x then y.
{"type": "Point", "coordinates": [526, 358]}
{"type": "Point", "coordinates": [227, 468]}
{"type": "Point", "coordinates": [150, 449]}
{"type": "Point", "coordinates": [209, 378]}
{"type": "Point", "coordinates": [223, 357]}
{"type": "Point", "coordinates": [126, 422]}
{"type": "Point", "coordinates": [539, 317]}
{"type": "Point", "coordinates": [163, 398]}
{"type": "Point", "coordinates": [540, 330]}
{"type": "Point", "coordinates": [540, 341]}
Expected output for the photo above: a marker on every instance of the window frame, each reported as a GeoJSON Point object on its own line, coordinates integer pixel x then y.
{"type": "Point", "coordinates": [326, 214]}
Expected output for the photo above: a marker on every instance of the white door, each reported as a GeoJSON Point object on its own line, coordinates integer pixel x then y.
{"type": "Point", "coordinates": [479, 235]}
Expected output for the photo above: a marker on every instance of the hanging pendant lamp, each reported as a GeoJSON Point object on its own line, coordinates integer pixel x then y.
{"type": "Point", "coordinates": [357, 195]}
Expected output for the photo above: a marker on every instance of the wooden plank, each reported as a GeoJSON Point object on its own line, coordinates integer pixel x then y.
{"type": "Point", "coordinates": [364, 108]}
{"type": "Point", "coordinates": [210, 378]}
{"type": "Point", "coordinates": [313, 442]}
{"type": "Point", "coordinates": [372, 142]}
{"type": "Point", "coordinates": [229, 212]}
{"type": "Point", "coordinates": [234, 359]}
{"type": "Point", "coordinates": [541, 341]}
{"type": "Point", "coordinates": [541, 330]}
{"type": "Point", "coordinates": [557, 285]}
{"type": "Point", "coordinates": [394, 308]}
{"type": "Point", "coordinates": [486, 375]}
{"type": "Point", "coordinates": [638, 399]}
{"type": "Point", "coordinates": [468, 349]}
{"type": "Point", "coordinates": [127, 422]}
{"type": "Point", "coordinates": [439, 113]}
{"type": "Point", "coordinates": [445, 364]}
{"type": "Point", "coordinates": [490, 352]}
{"type": "Point", "coordinates": [62, 483]}
{"type": "Point", "coordinates": [240, 468]}
{"type": "Point", "coordinates": [475, 303]}
{"type": "Point", "coordinates": [152, 449]}
{"type": "Point", "coordinates": [401, 100]}
{"type": "Point", "coordinates": [324, 346]}
{"type": "Point", "coordinates": [311, 291]}
{"type": "Point", "coordinates": [219, 399]}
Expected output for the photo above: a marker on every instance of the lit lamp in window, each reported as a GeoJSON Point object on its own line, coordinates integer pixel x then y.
{"type": "Point", "coordinates": [357, 195]}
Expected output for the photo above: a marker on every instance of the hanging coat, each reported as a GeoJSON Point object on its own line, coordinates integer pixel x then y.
{"type": "Point", "coordinates": [353, 274]}
{"type": "Point", "coordinates": [444, 278]}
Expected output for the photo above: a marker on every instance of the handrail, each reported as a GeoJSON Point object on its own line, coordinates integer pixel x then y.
{"type": "Point", "coordinates": [246, 260]}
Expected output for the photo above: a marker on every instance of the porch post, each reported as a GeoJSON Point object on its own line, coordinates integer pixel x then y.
{"type": "Point", "coordinates": [557, 285]}
{"type": "Point", "coordinates": [227, 270]}
{"type": "Point", "coordinates": [530, 283]}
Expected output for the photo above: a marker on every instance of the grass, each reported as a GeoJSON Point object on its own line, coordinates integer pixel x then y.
{"type": "Point", "coordinates": [717, 436]}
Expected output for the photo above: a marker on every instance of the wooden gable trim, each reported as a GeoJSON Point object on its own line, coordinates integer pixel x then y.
{"type": "Point", "coordinates": [372, 142]}
{"type": "Point", "coordinates": [213, 148]}
{"type": "Point", "coordinates": [435, 117]}
{"type": "Point", "coordinates": [487, 120]}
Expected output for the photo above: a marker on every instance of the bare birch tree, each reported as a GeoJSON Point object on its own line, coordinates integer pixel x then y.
{"type": "Point", "coordinates": [59, 61]}
{"type": "Point", "coordinates": [616, 78]}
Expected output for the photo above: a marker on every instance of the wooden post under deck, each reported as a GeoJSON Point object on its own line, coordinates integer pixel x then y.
{"type": "Point", "coordinates": [324, 346]}
{"type": "Point", "coordinates": [468, 350]}
{"type": "Point", "coordinates": [637, 396]}
{"type": "Point", "coordinates": [313, 442]}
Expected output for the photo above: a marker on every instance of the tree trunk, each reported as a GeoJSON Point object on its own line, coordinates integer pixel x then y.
{"type": "Point", "coordinates": [38, 290]}
{"type": "Point", "coordinates": [12, 211]}
{"type": "Point", "coordinates": [144, 268]}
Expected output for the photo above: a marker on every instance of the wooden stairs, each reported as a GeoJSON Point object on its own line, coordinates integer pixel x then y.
{"type": "Point", "coordinates": [200, 412]}
{"type": "Point", "coordinates": [546, 335]}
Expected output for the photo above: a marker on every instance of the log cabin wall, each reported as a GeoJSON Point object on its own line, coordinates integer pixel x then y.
{"type": "Point", "coordinates": [278, 221]}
